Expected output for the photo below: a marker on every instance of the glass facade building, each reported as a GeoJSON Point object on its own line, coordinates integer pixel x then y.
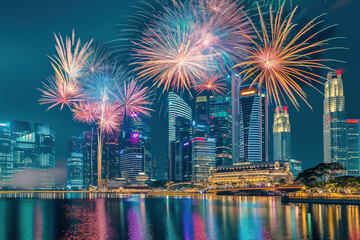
{"type": "Point", "coordinates": [281, 135]}
{"type": "Point", "coordinates": [334, 120]}
{"type": "Point", "coordinates": [353, 147]}
{"type": "Point", "coordinates": [6, 155]}
{"type": "Point", "coordinates": [253, 124]}
{"type": "Point", "coordinates": [182, 149]}
{"type": "Point", "coordinates": [75, 179]}
{"type": "Point", "coordinates": [132, 162]}
{"type": "Point", "coordinates": [203, 157]}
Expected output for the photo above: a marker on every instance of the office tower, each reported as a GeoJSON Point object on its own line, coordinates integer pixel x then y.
{"type": "Point", "coordinates": [132, 162]}
{"type": "Point", "coordinates": [177, 107]}
{"type": "Point", "coordinates": [253, 124]}
{"type": "Point", "coordinates": [220, 129]}
{"type": "Point", "coordinates": [24, 149]}
{"type": "Point", "coordinates": [295, 167]}
{"type": "Point", "coordinates": [75, 163]}
{"type": "Point", "coordinates": [201, 121]}
{"type": "Point", "coordinates": [45, 147]}
{"type": "Point", "coordinates": [6, 155]}
{"type": "Point", "coordinates": [182, 149]}
{"type": "Point", "coordinates": [281, 135]}
{"type": "Point", "coordinates": [334, 120]}
{"type": "Point", "coordinates": [353, 147]}
{"type": "Point", "coordinates": [203, 157]}
{"type": "Point", "coordinates": [235, 97]}
{"type": "Point", "coordinates": [90, 160]}
{"type": "Point", "coordinates": [110, 157]}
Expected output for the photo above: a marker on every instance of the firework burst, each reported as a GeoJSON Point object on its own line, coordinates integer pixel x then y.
{"type": "Point", "coordinates": [281, 61]}
{"type": "Point", "coordinates": [213, 84]}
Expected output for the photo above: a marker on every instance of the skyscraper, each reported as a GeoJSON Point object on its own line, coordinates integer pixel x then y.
{"type": "Point", "coordinates": [177, 107]}
{"type": "Point", "coordinates": [201, 122]}
{"type": "Point", "coordinates": [220, 129]}
{"type": "Point", "coordinates": [6, 155]}
{"type": "Point", "coordinates": [334, 120]}
{"type": "Point", "coordinates": [353, 147]}
{"type": "Point", "coordinates": [281, 135]}
{"type": "Point", "coordinates": [75, 163]}
{"type": "Point", "coordinates": [203, 157]}
{"type": "Point", "coordinates": [182, 149]}
{"type": "Point", "coordinates": [235, 97]}
{"type": "Point", "coordinates": [132, 162]}
{"type": "Point", "coordinates": [253, 124]}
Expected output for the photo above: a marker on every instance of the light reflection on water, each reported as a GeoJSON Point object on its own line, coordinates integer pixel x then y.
{"type": "Point", "coordinates": [110, 216]}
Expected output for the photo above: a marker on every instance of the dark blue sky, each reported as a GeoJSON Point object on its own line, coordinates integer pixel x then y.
{"type": "Point", "coordinates": [26, 38]}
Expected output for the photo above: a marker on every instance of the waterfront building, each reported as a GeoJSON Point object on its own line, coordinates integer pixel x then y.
{"type": "Point", "coordinates": [334, 120]}
{"type": "Point", "coordinates": [89, 159]}
{"type": "Point", "coordinates": [131, 162]}
{"type": "Point", "coordinates": [201, 121]}
{"type": "Point", "coordinates": [177, 107]}
{"type": "Point", "coordinates": [253, 124]}
{"type": "Point", "coordinates": [75, 179]}
{"type": "Point", "coordinates": [247, 174]}
{"type": "Point", "coordinates": [182, 150]}
{"type": "Point", "coordinates": [220, 129]}
{"type": "Point", "coordinates": [295, 167]}
{"type": "Point", "coordinates": [24, 150]}
{"type": "Point", "coordinates": [110, 157]}
{"type": "Point", "coordinates": [45, 148]}
{"type": "Point", "coordinates": [203, 157]}
{"type": "Point", "coordinates": [6, 155]}
{"type": "Point", "coordinates": [281, 135]}
{"type": "Point", "coordinates": [353, 147]}
{"type": "Point", "coordinates": [235, 120]}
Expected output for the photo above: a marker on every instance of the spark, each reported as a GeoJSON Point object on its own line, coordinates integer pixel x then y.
{"type": "Point", "coordinates": [213, 83]}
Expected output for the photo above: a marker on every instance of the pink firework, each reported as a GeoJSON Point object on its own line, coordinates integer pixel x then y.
{"type": "Point", "coordinates": [110, 118]}
{"type": "Point", "coordinates": [86, 112]}
{"type": "Point", "coordinates": [213, 83]}
{"type": "Point", "coordinates": [61, 93]}
{"type": "Point", "coordinates": [133, 99]}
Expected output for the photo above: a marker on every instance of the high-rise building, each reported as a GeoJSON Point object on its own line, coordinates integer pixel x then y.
{"type": "Point", "coordinates": [253, 124]}
{"type": "Point", "coordinates": [281, 135]}
{"type": "Point", "coordinates": [201, 122]}
{"type": "Point", "coordinates": [6, 155]}
{"type": "Point", "coordinates": [177, 107]}
{"type": "Point", "coordinates": [75, 160]}
{"type": "Point", "coordinates": [110, 157]}
{"type": "Point", "coordinates": [235, 120]}
{"type": "Point", "coordinates": [334, 120]}
{"type": "Point", "coordinates": [132, 162]}
{"type": "Point", "coordinates": [203, 157]}
{"type": "Point", "coordinates": [89, 159]}
{"type": "Point", "coordinates": [182, 149]}
{"type": "Point", "coordinates": [24, 148]}
{"type": "Point", "coordinates": [220, 129]}
{"type": "Point", "coordinates": [353, 147]}
{"type": "Point", "coordinates": [45, 147]}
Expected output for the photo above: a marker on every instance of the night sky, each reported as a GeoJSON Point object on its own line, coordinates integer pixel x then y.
{"type": "Point", "coordinates": [26, 40]}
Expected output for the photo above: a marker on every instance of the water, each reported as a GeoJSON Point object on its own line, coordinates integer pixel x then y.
{"type": "Point", "coordinates": [91, 216]}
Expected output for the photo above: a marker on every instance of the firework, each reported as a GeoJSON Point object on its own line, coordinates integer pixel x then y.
{"type": "Point", "coordinates": [133, 99]}
{"type": "Point", "coordinates": [86, 112]}
{"type": "Point", "coordinates": [110, 118]}
{"type": "Point", "coordinates": [213, 84]}
{"type": "Point", "coordinates": [281, 61]}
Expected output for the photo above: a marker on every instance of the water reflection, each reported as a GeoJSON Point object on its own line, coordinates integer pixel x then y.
{"type": "Point", "coordinates": [97, 216]}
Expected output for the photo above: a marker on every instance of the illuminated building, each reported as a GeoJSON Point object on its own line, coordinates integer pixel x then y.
{"type": "Point", "coordinates": [132, 162]}
{"type": "Point", "coordinates": [220, 129]}
{"type": "Point", "coordinates": [201, 122]}
{"type": "Point", "coordinates": [353, 147]}
{"type": "Point", "coordinates": [247, 173]}
{"type": "Point", "coordinates": [295, 167]}
{"type": "Point", "coordinates": [253, 124]}
{"type": "Point", "coordinates": [89, 159]}
{"type": "Point", "coordinates": [177, 107]}
{"type": "Point", "coordinates": [334, 120]}
{"type": "Point", "coordinates": [6, 154]}
{"type": "Point", "coordinates": [75, 163]}
{"type": "Point", "coordinates": [281, 135]}
{"type": "Point", "coordinates": [235, 117]}
{"type": "Point", "coordinates": [182, 149]}
{"type": "Point", "coordinates": [203, 157]}
{"type": "Point", "coordinates": [45, 146]}
{"type": "Point", "coordinates": [24, 149]}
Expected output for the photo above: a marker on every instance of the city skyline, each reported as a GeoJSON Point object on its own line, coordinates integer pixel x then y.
{"type": "Point", "coordinates": [63, 124]}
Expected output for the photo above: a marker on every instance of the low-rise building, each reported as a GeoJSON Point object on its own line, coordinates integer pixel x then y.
{"type": "Point", "coordinates": [246, 173]}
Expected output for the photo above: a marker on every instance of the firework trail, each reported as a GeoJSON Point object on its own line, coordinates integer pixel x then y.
{"type": "Point", "coordinates": [280, 60]}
